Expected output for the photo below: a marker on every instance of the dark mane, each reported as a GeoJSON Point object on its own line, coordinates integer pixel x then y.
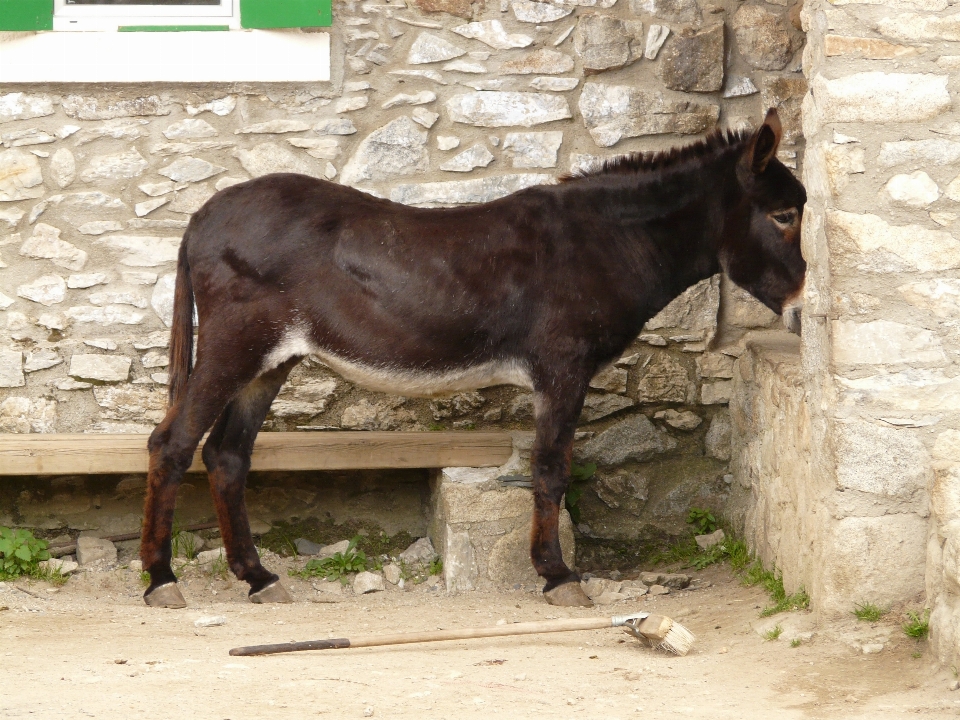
{"type": "Point", "coordinates": [650, 161]}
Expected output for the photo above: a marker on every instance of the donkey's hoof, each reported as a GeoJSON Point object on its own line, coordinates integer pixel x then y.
{"type": "Point", "coordinates": [272, 593]}
{"type": "Point", "coordinates": [165, 596]}
{"type": "Point", "coordinates": [568, 595]}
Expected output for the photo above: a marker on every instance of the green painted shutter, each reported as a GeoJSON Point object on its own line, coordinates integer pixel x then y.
{"type": "Point", "coordinates": [26, 14]}
{"type": "Point", "coordinates": [285, 13]}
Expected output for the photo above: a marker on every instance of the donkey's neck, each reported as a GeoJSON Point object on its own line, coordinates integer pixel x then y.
{"type": "Point", "coordinates": [673, 219]}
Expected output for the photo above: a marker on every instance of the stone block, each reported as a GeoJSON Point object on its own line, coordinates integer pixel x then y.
{"type": "Point", "coordinates": [614, 112]}
{"type": "Point", "coordinates": [880, 460]}
{"type": "Point", "coordinates": [717, 440]}
{"type": "Point", "coordinates": [904, 391]}
{"type": "Point", "coordinates": [764, 38]}
{"type": "Point", "coordinates": [867, 242]}
{"type": "Point", "coordinates": [913, 27]}
{"type": "Point", "coordinates": [917, 190]}
{"type": "Point", "coordinates": [489, 108]}
{"type": "Point", "coordinates": [533, 149]}
{"type": "Point", "coordinates": [867, 48]}
{"type": "Point", "coordinates": [786, 95]}
{"type": "Point", "coordinates": [881, 97]}
{"type": "Point", "coordinates": [462, 192]}
{"type": "Point", "coordinates": [47, 290]}
{"type": "Point", "coordinates": [919, 153]}
{"type": "Point", "coordinates": [102, 368]}
{"type": "Point", "coordinates": [45, 243]}
{"type": "Point", "coordinates": [674, 11]}
{"type": "Point", "coordinates": [692, 61]}
{"type": "Point", "coordinates": [21, 106]}
{"type": "Point", "coordinates": [665, 379]}
{"type": "Point", "coordinates": [859, 553]}
{"type": "Point", "coordinates": [96, 552]}
{"type": "Point", "coordinates": [716, 393]}
{"type": "Point", "coordinates": [694, 310]}
{"type": "Point", "coordinates": [884, 342]}
{"type": "Point", "coordinates": [598, 406]}
{"type": "Point", "coordinates": [11, 369]}
{"type": "Point", "coordinates": [683, 420]}
{"type": "Point", "coordinates": [367, 582]}
{"type": "Point", "coordinates": [635, 438]}
{"type": "Point", "coordinates": [492, 33]}
{"type": "Point", "coordinates": [483, 531]}
{"type": "Point", "coordinates": [397, 148]}
{"type": "Point", "coordinates": [604, 42]}
{"type": "Point", "coordinates": [20, 176]}
{"type": "Point", "coordinates": [945, 495]}
{"type": "Point", "coordinates": [541, 62]}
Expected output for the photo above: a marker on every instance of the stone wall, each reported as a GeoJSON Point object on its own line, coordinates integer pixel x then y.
{"type": "Point", "coordinates": [856, 496]}
{"type": "Point", "coordinates": [435, 103]}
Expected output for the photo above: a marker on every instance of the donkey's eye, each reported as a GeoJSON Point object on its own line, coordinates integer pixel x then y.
{"type": "Point", "coordinates": [785, 218]}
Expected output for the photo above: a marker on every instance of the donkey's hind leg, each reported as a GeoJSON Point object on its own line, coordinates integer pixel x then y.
{"type": "Point", "coordinates": [227, 457]}
{"type": "Point", "coordinates": [172, 445]}
{"type": "Point", "coordinates": [557, 413]}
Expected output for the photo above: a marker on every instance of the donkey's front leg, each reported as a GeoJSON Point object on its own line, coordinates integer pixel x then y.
{"type": "Point", "coordinates": [550, 462]}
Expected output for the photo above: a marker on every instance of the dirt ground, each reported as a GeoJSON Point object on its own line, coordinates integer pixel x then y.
{"type": "Point", "coordinates": [91, 649]}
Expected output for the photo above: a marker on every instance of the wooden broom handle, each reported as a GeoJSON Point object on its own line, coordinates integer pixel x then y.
{"type": "Point", "coordinates": [530, 628]}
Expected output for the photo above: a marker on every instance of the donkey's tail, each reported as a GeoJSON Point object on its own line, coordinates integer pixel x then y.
{"type": "Point", "coordinates": [181, 334]}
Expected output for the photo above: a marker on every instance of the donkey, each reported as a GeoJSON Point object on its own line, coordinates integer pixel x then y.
{"type": "Point", "coordinates": [539, 289]}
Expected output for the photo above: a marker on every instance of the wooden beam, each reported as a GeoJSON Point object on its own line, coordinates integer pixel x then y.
{"type": "Point", "coordinates": [38, 454]}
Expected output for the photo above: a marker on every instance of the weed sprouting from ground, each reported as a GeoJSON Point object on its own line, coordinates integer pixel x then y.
{"type": "Point", "coordinates": [145, 578]}
{"type": "Point", "coordinates": [21, 554]}
{"type": "Point", "coordinates": [436, 566]}
{"type": "Point", "coordinates": [336, 567]}
{"type": "Point", "coordinates": [868, 612]}
{"type": "Point", "coordinates": [219, 567]}
{"type": "Point", "coordinates": [703, 521]}
{"type": "Point", "coordinates": [917, 625]}
{"type": "Point", "coordinates": [773, 633]}
{"type": "Point", "coordinates": [795, 643]}
{"type": "Point", "coordinates": [772, 582]}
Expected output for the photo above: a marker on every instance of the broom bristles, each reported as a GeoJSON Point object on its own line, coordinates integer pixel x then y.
{"type": "Point", "coordinates": [678, 640]}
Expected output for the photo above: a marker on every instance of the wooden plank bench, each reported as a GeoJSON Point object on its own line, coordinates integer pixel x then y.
{"type": "Point", "coordinates": [39, 454]}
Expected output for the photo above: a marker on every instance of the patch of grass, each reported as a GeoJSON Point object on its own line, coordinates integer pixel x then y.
{"type": "Point", "coordinates": [868, 612]}
{"type": "Point", "coordinates": [738, 553]}
{"type": "Point", "coordinates": [21, 553]}
{"type": "Point", "coordinates": [219, 567]}
{"type": "Point", "coordinates": [436, 566]}
{"type": "Point", "coordinates": [772, 582]}
{"type": "Point", "coordinates": [773, 633]}
{"type": "Point", "coordinates": [336, 567]}
{"type": "Point", "coordinates": [795, 643]}
{"type": "Point", "coordinates": [54, 577]}
{"type": "Point", "coordinates": [703, 521]}
{"type": "Point", "coordinates": [917, 655]}
{"type": "Point", "coordinates": [917, 625]}
{"type": "Point", "coordinates": [184, 543]}
{"type": "Point", "coordinates": [145, 578]}
{"type": "Point", "coordinates": [688, 554]}
{"type": "Point", "coordinates": [437, 427]}
{"type": "Point", "coordinates": [371, 539]}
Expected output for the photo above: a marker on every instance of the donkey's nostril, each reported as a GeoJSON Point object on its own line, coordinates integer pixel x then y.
{"type": "Point", "coordinates": [791, 318]}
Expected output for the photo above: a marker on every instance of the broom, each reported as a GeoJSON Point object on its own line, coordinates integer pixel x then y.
{"type": "Point", "coordinates": [652, 630]}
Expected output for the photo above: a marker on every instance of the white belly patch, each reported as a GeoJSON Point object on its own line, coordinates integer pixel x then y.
{"type": "Point", "coordinates": [398, 380]}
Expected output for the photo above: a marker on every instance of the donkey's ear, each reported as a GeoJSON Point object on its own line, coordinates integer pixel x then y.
{"type": "Point", "coordinates": [763, 145]}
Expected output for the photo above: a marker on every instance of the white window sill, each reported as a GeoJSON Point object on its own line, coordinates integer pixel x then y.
{"type": "Point", "coordinates": [139, 57]}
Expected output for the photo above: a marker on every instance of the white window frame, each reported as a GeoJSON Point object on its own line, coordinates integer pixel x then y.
{"type": "Point", "coordinates": [92, 51]}
{"type": "Point", "coordinates": [105, 18]}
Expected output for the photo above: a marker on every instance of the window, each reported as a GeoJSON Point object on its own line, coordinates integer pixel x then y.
{"type": "Point", "coordinates": [93, 15]}
{"type": "Point", "coordinates": [136, 41]}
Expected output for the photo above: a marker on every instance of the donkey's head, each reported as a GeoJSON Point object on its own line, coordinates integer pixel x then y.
{"type": "Point", "coordinates": [760, 250]}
